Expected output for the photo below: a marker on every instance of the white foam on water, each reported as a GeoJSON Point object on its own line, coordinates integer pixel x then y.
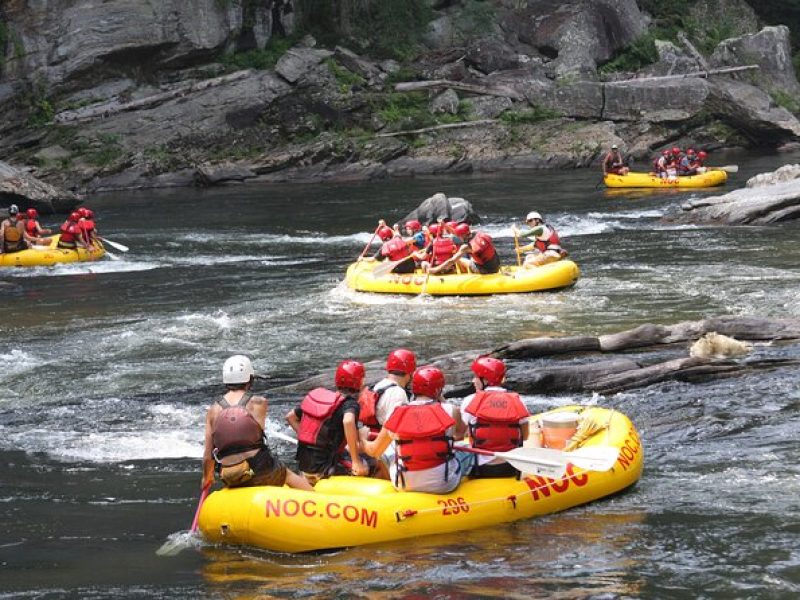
{"type": "Point", "coordinates": [85, 268]}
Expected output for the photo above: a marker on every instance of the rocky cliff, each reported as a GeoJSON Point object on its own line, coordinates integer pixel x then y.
{"type": "Point", "coordinates": [108, 94]}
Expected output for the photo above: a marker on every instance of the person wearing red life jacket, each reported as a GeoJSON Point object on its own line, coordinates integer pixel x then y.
{"type": "Point", "coordinates": [444, 248]}
{"type": "Point", "coordinates": [423, 432]}
{"type": "Point", "coordinates": [87, 226]}
{"type": "Point", "coordinates": [71, 233]}
{"type": "Point", "coordinates": [326, 424]}
{"type": "Point", "coordinates": [546, 244]}
{"type": "Point", "coordinates": [496, 418]}
{"type": "Point", "coordinates": [395, 248]}
{"type": "Point", "coordinates": [479, 246]}
{"type": "Point", "coordinates": [235, 444]}
{"type": "Point", "coordinates": [698, 164]}
{"type": "Point", "coordinates": [377, 403]}
{"type": "Point", "coordinates": [33, 228]}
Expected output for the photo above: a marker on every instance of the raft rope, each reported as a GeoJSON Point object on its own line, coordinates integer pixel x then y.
{"type": "Point", "coordinates": [401, 515]}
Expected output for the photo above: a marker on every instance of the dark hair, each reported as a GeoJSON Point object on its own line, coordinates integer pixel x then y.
{"type": "Point", "coordinates": [237, 386]}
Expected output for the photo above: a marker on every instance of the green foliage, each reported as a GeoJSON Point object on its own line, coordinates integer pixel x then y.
{"type": "Point", "coordinates": [382, 28]}
{"type": "Point", "coordinates": [410, 109]}
{"type": "Point", "coordinates": [104, 150]}
{"type": "Point", "coordinates": [259, 60]}
{"type": "Point", "coordinates": [785, 100]}
{"type": "Point", "coordinates": [344, 77]}
{"type": "Point", "coordinates": [533, 115]}
{"type": "Point", "coordinates": [405, 73]}
{"type": "Point", "coordinates": [34, 99]}
{"type": "Point", "coordinates": [640, 53]}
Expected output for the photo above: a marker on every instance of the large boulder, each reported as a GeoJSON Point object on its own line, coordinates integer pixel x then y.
{"type": "Point", "coordinates": [765, 202]}
{"type": "Point", "coordinates": [577, 35]}
{"type": "Point", "coordinates": [439, 206]}
{"type": "Point", "coordinates": [18, 186]}
{"type": "Point", "coordinates": [655, 101]}
{"type": "Point", "coordinates": [68, 43]}
{"type": "Point", "coordinates": [752, 112]}
{"type": "Point", "coordinates": [771, 50]}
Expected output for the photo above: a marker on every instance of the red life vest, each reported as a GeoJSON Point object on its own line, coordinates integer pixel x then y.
{"type": "Point", "coordinates": [422, 441]}
{"type": "Point", "coordinates": [32, 227]}
{"type": "Point", "coordinates": [368, 403]}
{"type": "Point", "coordinates": [318, 407]}
{"type": "Point", "coordinates": [443, 249]}
{"type": "Point", "coordinates": [552, 240]}
{"type": "Point", "coordinates": [236, 435]}
{"type": "Point", "coordinates": [395, 249]}
{"type": "Point", "coordinates": [498, 415]}
{"type": "Point", "coordinates": [69, 232]}
{"type": "Point", "coordinates": [482, 248]}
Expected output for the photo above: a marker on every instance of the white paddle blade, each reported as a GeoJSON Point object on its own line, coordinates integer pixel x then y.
{"type": "Point", "coordinates": [383, 269]}
{"type": "Point", "coordinates": [727, 168]}
{"type": "Point", "coordinates": [535, 465]}
{"type": "Point", "coordinates": [117, 245]}
{"type": "Point", "coordinates": [594, 459]}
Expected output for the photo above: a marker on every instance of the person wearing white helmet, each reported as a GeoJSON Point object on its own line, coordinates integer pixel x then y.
{"type": "Point", "coordinates": [613, 162]}
{"type": "Point", "coordinates": [235, 443]}
{"type": "Point", "coordinates": [545, 246]}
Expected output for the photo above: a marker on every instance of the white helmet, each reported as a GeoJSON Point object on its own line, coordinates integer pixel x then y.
{"type": "Point", "coordinates": [237, 369]}
{"type": "Point", "coordinates": [533, 215]}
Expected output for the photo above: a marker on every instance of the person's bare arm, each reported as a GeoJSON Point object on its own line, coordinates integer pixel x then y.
{"type": "Point", "coordinates": [351, 435]}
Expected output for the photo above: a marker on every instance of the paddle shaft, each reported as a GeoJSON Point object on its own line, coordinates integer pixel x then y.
{"type": "Point", "coordinates": [369, 243]}
{"type": "Point", "coordinates": [203, 496]}
{"type": "Point", "coordinates": [433, 259]}
{"type": "Point", "coordinates": [516, 247]}
{"type": "Point", "coordinates": [114, 244]}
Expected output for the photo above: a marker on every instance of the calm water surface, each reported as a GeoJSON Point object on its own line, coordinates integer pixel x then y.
{"type": "Point", "coordinates": [105, 370]}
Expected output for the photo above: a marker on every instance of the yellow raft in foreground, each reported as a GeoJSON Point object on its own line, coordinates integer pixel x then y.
{"type": "Point", "coordinates": [352, 511]}
{"type": "Point", "coordinates": [45, 256]}
{"type": "Point", "coordinates": [710, 178]}
{"type": "Point", "coordinates": [510, 280]}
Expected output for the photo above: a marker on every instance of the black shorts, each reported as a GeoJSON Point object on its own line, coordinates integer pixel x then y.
{"type": "Point", "coordinates": [493, 471]}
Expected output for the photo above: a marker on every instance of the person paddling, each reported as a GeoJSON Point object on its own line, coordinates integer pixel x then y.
{"type": "Point", "coordinates": [235, 443]}
{"type": "Point", "coordinates": [613, 162]}
{"type": "Point", "coordinates": [13, 236]}
{"type": "Point", "coordinates": [546, 245]}
{"type": "Point", "coordinates": [496, 418]}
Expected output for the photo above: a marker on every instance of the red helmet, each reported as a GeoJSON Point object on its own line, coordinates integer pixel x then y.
{"type": "Point", "coordinates": [690, 152]}
{"type": "Point", "coordinates": [75, 216]}
{"type": "Point", "coordinates": [702, 154]}
{"type": "Point", "coordinates": [434, 229]}
{"type": "Point", "coordinates": [665, 152]}
{"type": "Point", "coordinates": [427, 381]}
{"type": "Point", "coordinates": [83, 212]}
{"type": "Point", "coordinates": [414, 225]}
{"type": "Point", "coordinates": [385, 233]}
{"type": "Point", "coordinates": [32, 213]}
{"type": "Point", "coordinates": [349, 375]}
{"type": "Point", "coordinates": [401, 360]}
{"type": "Point", "coordinates": [491, 369]}
{"type": "Point", "coordinates": [676, 150]}
{"type": "Point", "coordinates": [462, 230]}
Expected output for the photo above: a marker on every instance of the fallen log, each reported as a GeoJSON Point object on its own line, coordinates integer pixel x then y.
{"type": "Point", "coordinates": [438, 127]}
{"type": "Point", "coordinates": [701, 74]}
{"type": "Point", "coordinates": [472, 88]}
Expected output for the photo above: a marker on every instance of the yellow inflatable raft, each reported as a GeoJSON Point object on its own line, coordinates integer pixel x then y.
{"type": "Point", "coordinates": [510, 280]}
{"type": "Point", "coordinates": [710, 178]}
{"type": "Point", "coordinates": [352, 511]}
{"type": "Point", "coordinates": [45, 256]}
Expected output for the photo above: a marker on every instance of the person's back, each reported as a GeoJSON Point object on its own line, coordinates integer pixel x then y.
{"type": "Point", "coordinates": [377, 404]}
{"type": "Point", "coordinates": [235, 445]}
{"type": "Point", "coordinates": [13, 232]}
{"type": "Point", "coordinates": [497, 419]}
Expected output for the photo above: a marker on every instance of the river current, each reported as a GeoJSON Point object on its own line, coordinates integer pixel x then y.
{"type": "Point", "coordinates": [106, 368]}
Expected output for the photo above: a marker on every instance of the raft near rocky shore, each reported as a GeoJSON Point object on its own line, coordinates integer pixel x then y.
{"type": "Point", "coordinates": [594, 364]}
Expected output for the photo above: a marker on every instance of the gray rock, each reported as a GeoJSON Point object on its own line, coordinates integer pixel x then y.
{"type": "Point", "coordinates": [439, 206]}
{"type": "Point", "coordinates": [440, 33]}
{"type": "Point", "coordinates": [782, 174]}
{"type": "Point", "coordinates": [371, 72]}
{"type": "Point", "coordinates": [655, 101]}
{"type": "Point", "coordinates": [751, 111]}
{"type": "Point", "coordinates": [298, 61]}
{"type": "Point", "coordinates": [446, 102]}
{"type": "Point", "coordinates": [18, 186]}
{"type": "Point", "coordinates": [214, 174]}
{"type": "Point", "coordinates": [771, 50]}
{"type": "Point", "coordinates": [488, 107]}
{"type": "Point", "coordinates": [579, 99]}
{"type": "Point", "coordinates": [748, 206]}
{"type": "Point", "coordinates": [52, 153]}
{"type": "Point", "coordinates": [492, 54]}
{"type": "Point", "coordinates": [672, 60]}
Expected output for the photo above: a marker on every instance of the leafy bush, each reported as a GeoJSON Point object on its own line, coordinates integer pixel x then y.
{"type": "Point", "coordinates": [259, 60]}
{"type": "Point", "coordinates": [346, 78]}
{"type": "Point", "coordinates": [640, 53]}
{"type": "Point", "coordinates": [535, 114]}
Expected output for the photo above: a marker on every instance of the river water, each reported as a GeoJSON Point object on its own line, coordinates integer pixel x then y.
{"type": "Point", "coordinates": [105, 370]}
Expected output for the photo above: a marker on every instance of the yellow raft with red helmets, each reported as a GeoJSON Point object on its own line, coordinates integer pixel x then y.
{"type": "Point", "coordinates": [352, 511]}
{"type": "Point", "coordinates": [45, 256]}
{"type": "Point", "coordinates": [509, 280]}
{"type": "Point", "coordinates": [712, 177]}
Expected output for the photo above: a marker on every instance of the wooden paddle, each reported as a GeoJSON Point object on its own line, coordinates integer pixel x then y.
{"type": "Point", "coordinates": [117, 245]}
{"type": "Point", "coordinates": [516, 247]}
{"type": "Point", "coordinates": [369, 243]}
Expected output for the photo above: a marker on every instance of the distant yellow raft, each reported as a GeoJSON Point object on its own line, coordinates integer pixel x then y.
{"type": "Point", "coordinates": [710, 178]}
{"type": "Point", "coordinates": [510, 280]}
{"type": "Point", "coordinates": [44, 256]}
{"type": "Point", "coordinates": [352, 511]}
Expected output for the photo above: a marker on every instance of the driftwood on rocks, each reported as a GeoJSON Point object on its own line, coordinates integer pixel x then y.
{"type": "Point", "coordinates": [471, 88]}
{"type": "Point", "coordinates": [439, 127]}
{"type": "Point", "coordinates": [576, 372]}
